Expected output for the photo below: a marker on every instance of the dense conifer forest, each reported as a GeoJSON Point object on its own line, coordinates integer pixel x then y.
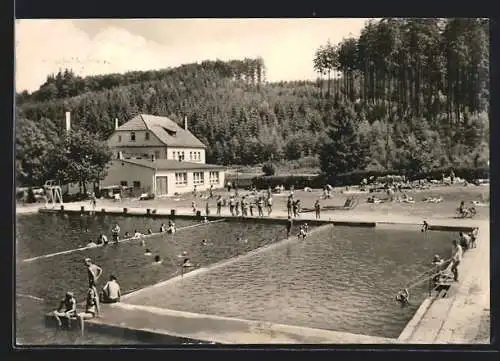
{"type": "Point", "coordinates": [406, 95]}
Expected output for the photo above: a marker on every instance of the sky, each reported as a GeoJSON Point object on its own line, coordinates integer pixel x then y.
{"type": "Point", "coordinates": [104, 46]}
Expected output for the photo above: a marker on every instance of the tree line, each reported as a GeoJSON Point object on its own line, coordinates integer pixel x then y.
{"type": "Point", "coordinates": [408, 94]}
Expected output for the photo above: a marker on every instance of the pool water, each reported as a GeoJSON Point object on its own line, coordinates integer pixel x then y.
{"type": "Point", "coordinates": [41, 283]}
{"type": "Point", "coordinates": [339, 278]}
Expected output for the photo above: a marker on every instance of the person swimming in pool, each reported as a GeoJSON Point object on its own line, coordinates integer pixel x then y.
{"type": "Point", "coordinates": [157, 259]}
{"type": "Point", "coordinates": [150, 231]}
{"type": "Point", "coordinates": [102, 239]}
{"type": "Point", "coordinates": [171, 227]}
{"type": "Point", "coordinates": [204, 242]}
{"type": "Point", "coordinates": [91, 244]}
{"type": "Point", "coordinates": [127, 234]}
{"type": "Point", "coordinates": [163, 228]}
{"type": "Point", "coordinates": [147, 252]}
{"type": "Point", "coordinates": [187, 263]}
{"type": "Point", "coordinates": [302, 232]}
{"type": "Point", "coordinates": [115, 231]}
{"type": "Point", "coordinates": [137, 234]}
{"type": "Point", "coordinates": [241, 240]}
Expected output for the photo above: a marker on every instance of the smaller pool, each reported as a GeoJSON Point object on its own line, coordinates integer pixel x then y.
{"type": "Point", "coordinates": [48, 279]}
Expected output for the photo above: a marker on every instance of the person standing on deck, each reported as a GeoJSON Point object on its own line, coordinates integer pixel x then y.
{"type": "Point", "coordinates": [237, 208]}
{"type": "Point", "coordinates": [211, 191]}
{"type": "Point", "coordinates": [207, 209]}
{"type": "Point", "coordinates": [289, 205]}
{"type": "Point", "coordinates": [219, 204]}
{"type": "Point", "coordinates": [244, 206]}
{"type": "Point", "coordinates": [260, 205]}
{"type": "Point", "coordinates": [94, 272]}
{"type": "Point", "coordinates": [231, 205]}
{"type": "Point", "coordinates": [115, 232]}
{"type": "Point", "coordinates": [456, 257]}
{"type": "Point", "coordinates": [250, 207]}
{"type": "Point", "coordinates": [289, 224]}
{"type": "Point", "coordinates": [93, 201]}
{"type": "Point", "coordinates": [269, 205]}
{"type": "Point", "coordinates": [317, 209]}
{"type": "Point", "coordinates": [295, 209]}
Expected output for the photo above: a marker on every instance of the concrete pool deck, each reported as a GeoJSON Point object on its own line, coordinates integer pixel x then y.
{"type": "Point", "coordinates": [454, 319]}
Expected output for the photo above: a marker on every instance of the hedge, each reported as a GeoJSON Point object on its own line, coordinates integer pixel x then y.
{"type": "Point", "coordinates": [355, 178]}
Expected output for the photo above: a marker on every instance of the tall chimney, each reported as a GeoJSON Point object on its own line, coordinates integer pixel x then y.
{"type": "Point", "coordinates": [68, 122]}
{"type": "Point", "coordinates": [116, 123]}
{"type": "Point", "coordinates": [185, 123]}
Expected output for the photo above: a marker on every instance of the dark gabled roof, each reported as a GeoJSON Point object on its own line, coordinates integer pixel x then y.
{"type": "Point", "coordinates": [165, 129]}
{"type": "Point", "coordinates": [170, 164]}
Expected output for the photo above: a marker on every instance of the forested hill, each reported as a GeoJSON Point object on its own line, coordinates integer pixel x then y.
{"type": "Point", "coordinates": [415, 91]}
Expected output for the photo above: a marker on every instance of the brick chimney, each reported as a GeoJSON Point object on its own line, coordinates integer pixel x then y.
{"type": "Point", "coordinates": [185, 122]}
{"type": "Point", "coordinates": [116, 123]}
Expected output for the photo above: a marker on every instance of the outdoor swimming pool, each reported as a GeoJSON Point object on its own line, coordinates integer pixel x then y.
{"type": "Point", "coordinates": [41, 283]}
{"type": "Point", "coordinates": [340, 279]}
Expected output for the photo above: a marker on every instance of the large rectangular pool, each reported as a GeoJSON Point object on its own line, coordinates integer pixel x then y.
{"type": "Point", "coordinates": [339, 278]}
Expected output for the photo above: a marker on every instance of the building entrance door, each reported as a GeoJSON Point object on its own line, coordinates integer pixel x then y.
{"type": "Point", "coordinates": [161, 186]}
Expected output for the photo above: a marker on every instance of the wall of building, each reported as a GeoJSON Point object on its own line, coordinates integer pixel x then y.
{"type": "Point", "coordinates": [143, 152]}
{"type": "Point", "coordinates": [188, 152]}
{"type": "Point", "coordinates": [119, 171]}
{"type": "Point", "coordinates": [173, 187]}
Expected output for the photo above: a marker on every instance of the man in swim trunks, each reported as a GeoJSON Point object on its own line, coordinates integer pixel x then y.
{"type": "Point", "coordinates": [94, 272]}
{"type": "Point", "coordinates": [67, 308]}
{"type": "Point", "coordinates": [456, 257]}
{"type": "Point", "coordinates": [111, 291]}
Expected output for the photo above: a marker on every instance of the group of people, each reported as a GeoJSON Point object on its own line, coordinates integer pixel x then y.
{"type": "Point", "coordinates": [110, 293]}
{"type": "Point", "coordinates": [464, 211]}
{"type": "Point", "coordinates": [445, 270]}
{"type": "Point", "coordinates": [102, 239]}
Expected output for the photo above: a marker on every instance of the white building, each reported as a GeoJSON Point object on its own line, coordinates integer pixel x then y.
{"type": "Point", "coordinates": [155, 155]}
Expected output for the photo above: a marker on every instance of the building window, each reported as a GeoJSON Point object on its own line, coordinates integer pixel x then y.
{"type": "Point", "coordinates": [214, 177]}
{"type": "Point", "coordinates": [198, 178]}
{"type": "Point", "coordinates": [190, 155]}
{"type": "Point", "coordinates": [124, 183]}
{"type": "Point", "coordinates": [146, 136]}
{"type": "Point", "coordinates": [132, 136]}
{"type": "Point", "coordinates": [199, 155]}
{"type": "Point", "coordinates": [137, 184]}
{"type": "Point", "coordinates": [181, 155]}
{"type": "Point", "coordinates": [173, 155]}
{"type": "Point", "coordinates": [181, 179]}
{"type": "Point", "coordinates": [157, 154]}
{"type": "Point", "coordinates": [119, 138]}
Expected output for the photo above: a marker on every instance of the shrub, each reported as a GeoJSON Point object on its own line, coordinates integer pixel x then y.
{"type": "Point", "coordinates": [269, 169]}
